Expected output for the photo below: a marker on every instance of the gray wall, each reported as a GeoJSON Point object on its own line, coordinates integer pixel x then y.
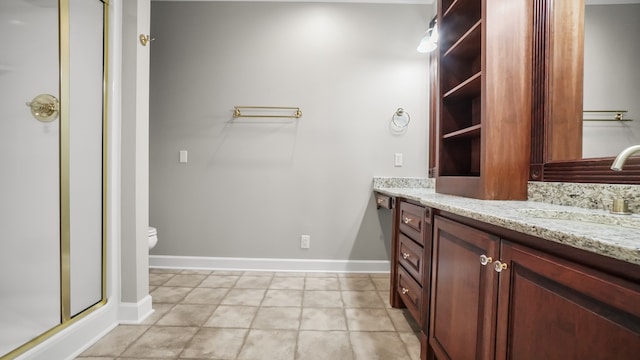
{"type": "Point", "coordinates": [252, 187]}
{"type": "Point", "coordinates": [612, 79]}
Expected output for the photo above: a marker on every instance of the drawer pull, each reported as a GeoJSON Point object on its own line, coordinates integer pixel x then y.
{"type": "Point", "coordinates": [498, 266]}
{"type": "Point", "coordinates": [380, 201]}
{"type": "Point", "coordinates": [405, 291]}
{"type": "Point", "coordinates": [485, 260]}
{"type": "Point", "coordinates": [406, 220]}
{"type": "Point", "coordinates": [405, 255]}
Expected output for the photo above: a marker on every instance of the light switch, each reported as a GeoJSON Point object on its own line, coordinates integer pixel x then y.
{"type": "Point", "coordinates": [398, 159]}
{"type": "Point", "coordinates": [183, 156]}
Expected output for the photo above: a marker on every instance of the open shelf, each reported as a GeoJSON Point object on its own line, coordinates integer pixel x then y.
{"type": "Point", "coordinates": [461, 7]}
{"type": "Point", "coordinates": [469, 45]}
{"type": "Point", "coordinates": [469, 87]}
{"type": "Point", "coordinates": [470, 131]}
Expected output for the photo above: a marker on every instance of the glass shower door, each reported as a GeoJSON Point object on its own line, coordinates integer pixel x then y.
{"type": "Point", "coordinates": [30, 295]}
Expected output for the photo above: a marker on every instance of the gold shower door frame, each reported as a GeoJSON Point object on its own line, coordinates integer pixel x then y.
{"type": "Point", "coordinates": [66, 319]}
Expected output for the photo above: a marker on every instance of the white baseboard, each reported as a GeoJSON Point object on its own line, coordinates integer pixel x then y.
{"type": "Point", "coordinates": [257, 264]}
{"type": "Point", "coordinates": [73, 340]}
{"type": "Point", "coordinates": [135, 313]}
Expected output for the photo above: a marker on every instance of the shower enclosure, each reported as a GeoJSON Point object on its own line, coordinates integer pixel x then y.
{"type": "Point", "coordinates": [52, 169]}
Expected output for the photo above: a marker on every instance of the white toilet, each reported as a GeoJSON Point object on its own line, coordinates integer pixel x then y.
{"type": "Point", "coordinates": [152, 236]}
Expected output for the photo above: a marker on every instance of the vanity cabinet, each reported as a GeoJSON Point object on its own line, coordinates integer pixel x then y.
{"type": "Point", "coordinates": [463, 292]}
{"type": "Point", "coordinates": [411, 260]}
{"type": "Point", "coordinates": [484, 93]}
{"type": "Point", "coordinates": [492, 298]}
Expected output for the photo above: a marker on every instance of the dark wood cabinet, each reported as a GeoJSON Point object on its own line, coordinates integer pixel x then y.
{"type": "Point", "coordinates": [493, 298]}
{"type": "Point", "coordinates": [484, 90]}
{"type": "Point", "coordinates": [463, 292]}
{"type": "Point", "coordinates": [550, 308]}
{"type": "Point", "coordinates": [410, 265]}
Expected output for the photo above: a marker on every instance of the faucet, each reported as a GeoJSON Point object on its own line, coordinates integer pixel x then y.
{"type": "Point", "coordinates": [618, 163]}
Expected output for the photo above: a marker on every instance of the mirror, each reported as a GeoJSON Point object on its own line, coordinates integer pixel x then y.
{"type": "Point", "coordinates": [558, 95]}
{"type": "Point", "coordinates": [611, 77]}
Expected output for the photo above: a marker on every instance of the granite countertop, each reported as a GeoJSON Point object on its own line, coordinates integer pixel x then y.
{"type": "Point", "coordinates": [616, 236]}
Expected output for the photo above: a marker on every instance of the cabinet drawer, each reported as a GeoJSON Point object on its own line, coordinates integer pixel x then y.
{"type": "Point", "coordinates": [384, 201]}
{"type": "Point", "coordinates": [412, 221]}
{"type": "Point", "coordinates": [410, 256]}
{"type": "Point", "coordinates": [410, 293]}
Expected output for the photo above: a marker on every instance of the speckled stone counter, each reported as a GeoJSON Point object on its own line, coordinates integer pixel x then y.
{"type": "Point", "coordinates": [578, 227]}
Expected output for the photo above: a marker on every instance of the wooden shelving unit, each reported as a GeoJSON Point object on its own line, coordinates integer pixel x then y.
{"type": "Point", "coordinates": [485, 102]}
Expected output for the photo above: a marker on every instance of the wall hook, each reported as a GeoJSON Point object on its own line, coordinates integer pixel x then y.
{"type": "Point", "coordinates": [145, 39]}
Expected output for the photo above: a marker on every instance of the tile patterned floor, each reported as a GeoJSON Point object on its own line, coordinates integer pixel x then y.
{"type": "Point", "coordinates": [265, 316]}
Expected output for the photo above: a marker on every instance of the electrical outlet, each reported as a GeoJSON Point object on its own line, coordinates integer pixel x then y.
{"type": "Point", "coordinates": [305, 241]}
{"type": "Point", "coordinates": [398, 159]}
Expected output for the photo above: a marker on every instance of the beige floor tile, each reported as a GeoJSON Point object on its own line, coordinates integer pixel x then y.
{"type": "Point", "coordinates": [161, 342]}
{"type": "Point", "coordinates": [283, 298]}
{"type": "Point", "coordinates": [212, 343]}
{"type": "Point", "coordinates": [247, 297]}
{"type": "Point", "coordinates": [116, 341]}
{"type": "Point", "coordinates": [402, 320]}
{"type": "Point", "coordinates": [381, 284]}
{"type": "Point", "coordinates": [287, 283]}
{"type": "Point", "coordinates": [384, 296]}
{"type": "Point", "coordinates": [209, 296]}
{"type": "Point", "coordinates": [228, 272]}
{"type": "Point", "coordinates": [259, 273]}
{"type": "Point", "coordinates": [173, 295]}
{"type": "Point", "coordinates": [94, 358]}
{"type": "Point", "coordinates": [196, 272]}
{"type": "Point", "coordinates": [380, 275]}
{"type": "Point", "coordinates": [232, 316]}
{"type": "Point", "coordinates": [356, 283]}
{"type": "Point", "coordinates": [277, 318]}
{"type": "Point", "coordinates": [378, 346]}
{"type": "Point", "coordinates": [164, 271]}
{"type": "Point", "coordinates": [362, 299]}
{"type": "Point", "coordinates": [185, 280]}
{"type": "Point", "coordinates": [322, 299]}
{"type": "Point", "coordinates": [269, 344]}
{"type": "Point", "coordinates": [321, 283]}
{"type": "Point", "coordinates": [368, 320]}
{"type": "Point", "coordinates": [219, 281]}
{"type": "Point", "coordinates": [324, 345]}
{"type": "Point", "coordinates": [412, 342]}
{"type": "Point", "coordinates": [158, 312]}
{"type": "Point", "coordinates": [289, 274]}
{"type": "Point", "coordinates": [353, 275]}
{"type": "Point", "coordinates": [253, 282]}
{"type": "Point", "coordinates": [159, 278]}
{"type": "Point", "coordinates": [323, 319]}
{"type": "Point", "coordinates": [151, 288]}
{"type": "Point", "coordinates": [186, 315]}
{"type": "Point", "coordinates": [321, 274]}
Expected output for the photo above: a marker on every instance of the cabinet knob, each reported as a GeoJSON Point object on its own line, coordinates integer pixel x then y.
{"type": "Point", "coordinates": [498, 266]}
{"type": "Point", "coordinates": [484, 260]}
{"type": "Point", "coordinates": [405, 255]}
{"type": "Point", "coordinates": [404, 291]}
{"type": "Point", "coordinates": [406, 220]}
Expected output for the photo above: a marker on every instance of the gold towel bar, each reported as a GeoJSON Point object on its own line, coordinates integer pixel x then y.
{"type": "Point", "coordinates": [607, 115]}
{"type": "Point", "coordinates": [237, 112]}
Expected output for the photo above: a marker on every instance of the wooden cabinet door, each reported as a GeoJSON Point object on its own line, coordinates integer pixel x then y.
{"type": "Point", "coordinates": [550, 308]}
{"type": "Point", "coordinates": [463, 292]}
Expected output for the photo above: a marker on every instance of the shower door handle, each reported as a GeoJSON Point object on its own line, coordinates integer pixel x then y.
{"type": "Point", "coordinates": [44, 107]}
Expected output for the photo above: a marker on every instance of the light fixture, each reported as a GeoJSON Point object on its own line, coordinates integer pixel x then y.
{"type": "Point", "coordinates": [429, 41]}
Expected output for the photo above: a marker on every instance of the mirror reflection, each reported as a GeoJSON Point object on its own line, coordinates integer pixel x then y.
{"type": "Point", "coordinates": [612, 79]}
